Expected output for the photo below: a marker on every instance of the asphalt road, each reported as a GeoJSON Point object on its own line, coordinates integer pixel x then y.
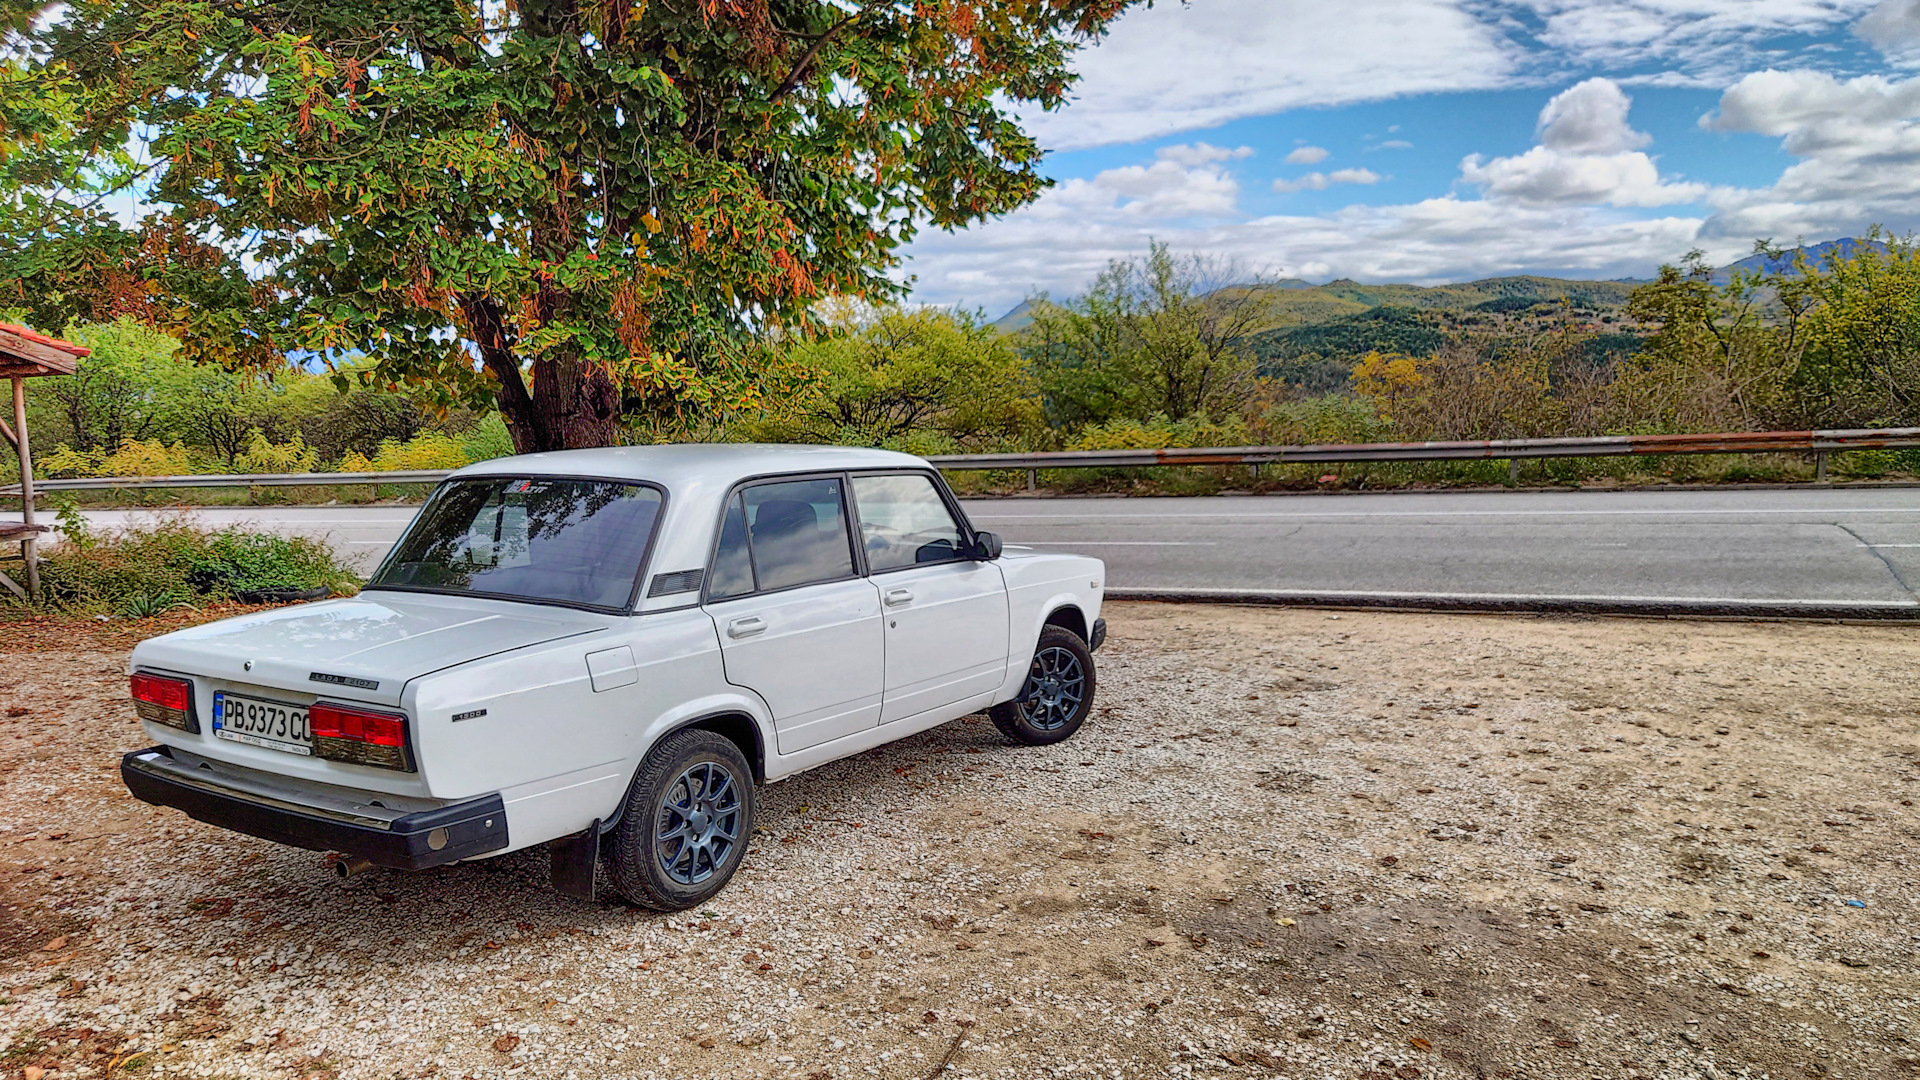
{"type": "Point", "coordinates": [1814, 552]}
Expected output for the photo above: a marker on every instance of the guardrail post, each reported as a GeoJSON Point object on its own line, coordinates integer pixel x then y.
{"type": "Point", "coordinates": [1819, 466]}
{"type": "Point", "coordinates": [1513, 471]}
{"type": "Point", "coordinates": [1033, 479]}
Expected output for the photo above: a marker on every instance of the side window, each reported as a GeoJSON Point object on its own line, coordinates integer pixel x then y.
{"type": "Point", "coordinates": [732, 566]}
{"type": "Point", "coordinates": [797, 531]}
{"type": "Point", "coordinates": [903, 521]}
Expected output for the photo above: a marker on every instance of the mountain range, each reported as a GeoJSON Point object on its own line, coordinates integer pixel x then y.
{"type": "Point", "coordinates": [1298, 302]}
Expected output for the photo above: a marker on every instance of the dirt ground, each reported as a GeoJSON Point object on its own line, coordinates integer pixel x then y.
{"type": "Point", "coordinates": [1293, 843]}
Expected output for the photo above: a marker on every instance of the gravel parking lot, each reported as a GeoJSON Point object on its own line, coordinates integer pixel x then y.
{"type": "Point", "coordinates": [1292, 843]}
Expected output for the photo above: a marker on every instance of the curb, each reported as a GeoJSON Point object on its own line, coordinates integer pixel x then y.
{"type": "Point", "coordinates": [1627, 606]}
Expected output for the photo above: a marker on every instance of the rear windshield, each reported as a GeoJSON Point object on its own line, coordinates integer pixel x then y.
{"type": "Point", "coordinates": [561, 541]}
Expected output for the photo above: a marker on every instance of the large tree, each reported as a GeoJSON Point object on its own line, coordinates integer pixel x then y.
{"type": "Point", "coordinates": [578, 209]}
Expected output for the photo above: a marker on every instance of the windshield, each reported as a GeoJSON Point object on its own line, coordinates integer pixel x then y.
{"type": "Point", "coordinates": [563, 541]}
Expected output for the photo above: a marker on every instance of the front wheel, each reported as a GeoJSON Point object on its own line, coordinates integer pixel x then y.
{"type": "Point", "coordinates": [1058, 693]}
{"type": "Point", "coordinates": [686, 824]}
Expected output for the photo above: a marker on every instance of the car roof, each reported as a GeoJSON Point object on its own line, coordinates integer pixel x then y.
{"type": "Point", "coordinates": [675, 464]}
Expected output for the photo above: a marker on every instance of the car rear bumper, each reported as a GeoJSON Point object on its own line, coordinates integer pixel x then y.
{"type": "Point", "coordinates": [403, 841]}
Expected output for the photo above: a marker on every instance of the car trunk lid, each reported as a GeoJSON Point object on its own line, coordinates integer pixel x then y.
{"type": "Point", "coordinates": [365, 648]}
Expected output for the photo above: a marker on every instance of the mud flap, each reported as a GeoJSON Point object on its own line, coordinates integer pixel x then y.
{"type": "Point", "coordinates": [576, 862]}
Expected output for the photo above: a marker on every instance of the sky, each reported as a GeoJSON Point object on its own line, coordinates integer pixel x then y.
{"type": "Point", "coordinates": [1428, 141]}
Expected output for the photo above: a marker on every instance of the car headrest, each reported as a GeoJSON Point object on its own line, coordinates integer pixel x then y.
{"type": "Point", "coordinates": [784, 516]}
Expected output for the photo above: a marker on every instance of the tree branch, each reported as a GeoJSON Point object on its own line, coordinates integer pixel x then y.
{"type": "Point", "coordinates": [806, 58]}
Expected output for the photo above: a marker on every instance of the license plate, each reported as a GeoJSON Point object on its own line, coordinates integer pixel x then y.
{"type": "Point", "coordinates": [275, 725]}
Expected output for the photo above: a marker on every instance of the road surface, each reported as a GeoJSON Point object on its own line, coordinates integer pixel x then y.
{"type": "Point", "coordinates": [1845, 552]}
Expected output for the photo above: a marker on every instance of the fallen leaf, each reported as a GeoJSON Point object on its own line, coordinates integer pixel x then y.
{"type": "Point", "coordinates": [505, 1044]}
{"type": "Point", "coordinates": [1420, 1044]}
{"type": "Point", "coordinates": [55, 945]}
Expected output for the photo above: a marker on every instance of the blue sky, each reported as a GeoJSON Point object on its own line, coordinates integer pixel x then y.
{"type": "Point", "coordinates": [1443, 140]}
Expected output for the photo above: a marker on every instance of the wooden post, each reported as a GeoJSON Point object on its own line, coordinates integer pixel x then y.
{"type": "Point", "coordinates": [29, 547]}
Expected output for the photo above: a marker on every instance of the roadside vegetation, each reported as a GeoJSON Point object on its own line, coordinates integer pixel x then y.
{"type": "Point", "coordinates": [171, 564]}
{"type": "Point", "coordinates": [1165, 350]}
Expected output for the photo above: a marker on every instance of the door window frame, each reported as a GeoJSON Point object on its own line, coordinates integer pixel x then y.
{"type": "Point", "coordinates": [946, 498]}
{"type": "Point", "coordinates": [848, 522]}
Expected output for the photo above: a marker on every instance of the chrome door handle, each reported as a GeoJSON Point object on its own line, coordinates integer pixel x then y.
{"type": "Point", "coordinates": [747, 627]}
{"type": "Point", "coordinates": [896, 597]}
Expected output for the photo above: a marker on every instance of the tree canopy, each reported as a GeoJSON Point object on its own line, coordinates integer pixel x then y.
{"type": "Point", "coordinates": [583, 210]}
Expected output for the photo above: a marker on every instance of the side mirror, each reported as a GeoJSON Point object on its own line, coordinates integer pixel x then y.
{"type": "Point", "coordinates": [986, 547]}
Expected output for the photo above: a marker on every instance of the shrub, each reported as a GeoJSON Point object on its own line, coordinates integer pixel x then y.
{"type": "Point", "coordinates": [428, 450]}
{"type": "Point", "coordinates": [487, 440]}
{"type": "Point", "coordinates": [1158, 432]}
{"type": "Point", "coordinates": [135, 457]}
{"type": "Point", "coordinates": [261, 456]}
{"type": "Point", "coordinates": [153, 567]}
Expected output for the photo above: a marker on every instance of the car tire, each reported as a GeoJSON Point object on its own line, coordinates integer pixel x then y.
{"type": "Point", "coordinates": [686, 824]}
{"type": "Point", "coordinates": [1058, 693]}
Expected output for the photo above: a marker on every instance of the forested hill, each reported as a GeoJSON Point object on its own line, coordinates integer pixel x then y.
{"type": "Point", "coordinates": [1315, 333]}
{"type": "Point", "coordinates": [1296, 302]}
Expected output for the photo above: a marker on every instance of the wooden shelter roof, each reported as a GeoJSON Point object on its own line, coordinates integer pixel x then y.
{"type": "Point", "coordinates": [25, 354]}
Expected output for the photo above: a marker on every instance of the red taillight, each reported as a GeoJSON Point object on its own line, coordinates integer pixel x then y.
{"type": "Point", "coordinates": [163, 700]}
{"type": "Point", "coordinates": [359, 736]}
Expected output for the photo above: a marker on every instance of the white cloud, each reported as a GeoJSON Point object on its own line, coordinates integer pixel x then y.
{"type": "Point", "coordinates": [1394, 144]}
{"type": "Point", "coordinates": [1698, 42]}
{"type": "Point", "coordinates": [1590, 118]}
{"type": "Point", "coordinates": [1181, 67]}
{"type": "Point", "coordinates": [1893, 27]}
{"type": "Point", "coordinates": [1308, 155]}
{"type": "Point", "coordinates": [1858, 145]}
{"type": "Point", "coordinates": [1317, 181]}
{"type": "Point", "coordinates": [1165, 190]}
{"type": "Point", "coordinates": [1201, 153]}
{"type": "Point", "coordinates": [1588, 155]}
{"type": "Point", "coordinates": [1058, 246]}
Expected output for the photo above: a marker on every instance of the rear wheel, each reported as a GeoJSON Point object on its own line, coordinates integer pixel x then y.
{"type": "Point", "coordinates": [686, 824]}
{"type": "Point", "coordinates": [1058, 693]}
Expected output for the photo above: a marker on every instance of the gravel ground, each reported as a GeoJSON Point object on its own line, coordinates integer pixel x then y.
{"type": "Point", "coordinates": [1292, 843]}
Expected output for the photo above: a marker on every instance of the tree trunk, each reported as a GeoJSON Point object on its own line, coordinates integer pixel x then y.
{"type": "Point", "coordinates": [575, 405]}
{"type": "Point", "coordinates": [571, 405]}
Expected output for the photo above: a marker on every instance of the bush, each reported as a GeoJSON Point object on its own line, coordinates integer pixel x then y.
{"type": "Point", "coordinates": [1158, 432]}
{"type": "Point", "coordinates": [135, 457]}
{"type": "Point", "coordinates": [428, 450]}
{"type": "Point", "coordinates": [261, 456]}
{"type": "Point", "coordinates": [487, 440]}
{"type": "Point", "coordinates": [152, 568]}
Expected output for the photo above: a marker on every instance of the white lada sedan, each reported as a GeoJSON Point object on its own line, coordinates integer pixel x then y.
{"type": "Point", "coordinates": [605, 651]}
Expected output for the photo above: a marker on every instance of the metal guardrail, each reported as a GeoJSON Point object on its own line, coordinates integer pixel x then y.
{"type": "Point", "coordinates": [1818, 443]}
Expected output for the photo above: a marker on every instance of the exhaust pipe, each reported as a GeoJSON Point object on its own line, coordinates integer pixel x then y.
{"type": "Point", "coordinates": [349, 866]}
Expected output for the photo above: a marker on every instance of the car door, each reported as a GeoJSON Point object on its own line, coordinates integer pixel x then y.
{"type": "Point", "coordinates": [797, 622]}
{"type": "Point", "coordinates": [945, 613]}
